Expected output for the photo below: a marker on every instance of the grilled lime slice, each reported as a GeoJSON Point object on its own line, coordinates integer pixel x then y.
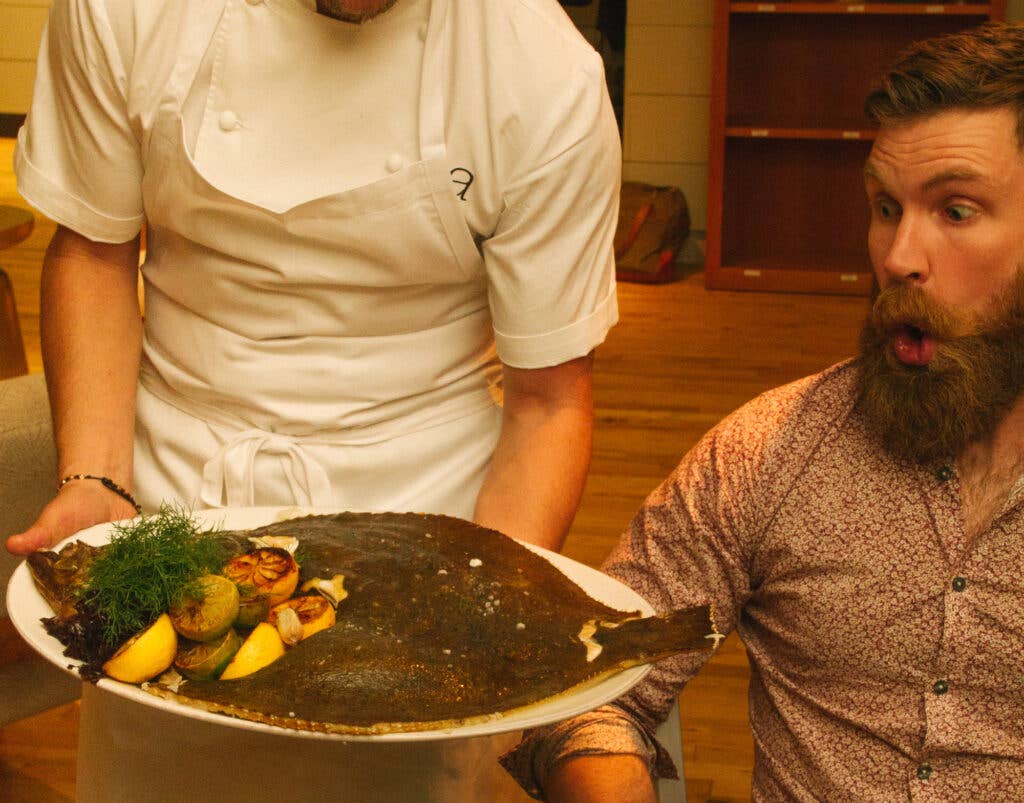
{"type": "Point", "coordinates": [205, 660]}
{"type": "Point", "coordinates": [209, 612]}
{"type": "Point", "coordinates": [252, 609]}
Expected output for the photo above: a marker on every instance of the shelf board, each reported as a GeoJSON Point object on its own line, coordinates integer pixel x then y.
{"type": "Point", "coordinates": [779, 132]}
{"type": "Point", "coordinates": [805, 273]}
{"type": "Point", "coordinates": [782, 7]}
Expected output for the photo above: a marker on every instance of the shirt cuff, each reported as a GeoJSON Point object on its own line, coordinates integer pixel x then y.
{"type": "Point", "coordinates": [65, 209]}
{"type": "Point", "coordinates": [554, 348]}
{"type": "Point", "coordinates": [605, 731]}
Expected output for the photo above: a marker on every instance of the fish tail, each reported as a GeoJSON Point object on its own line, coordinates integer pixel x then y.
{"type": "Point", "coordinates": [654, 637]}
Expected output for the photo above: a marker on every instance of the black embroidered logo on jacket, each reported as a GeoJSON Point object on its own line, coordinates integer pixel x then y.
{"type": "Point", "coordinates": [463, 178]}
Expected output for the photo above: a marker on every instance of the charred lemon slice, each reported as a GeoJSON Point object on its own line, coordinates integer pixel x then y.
{"type": "Point", "coordinates": [315, 613]}
{"type": "Point", "coordinates": [208, 612]}
{"type": "Point", "coordinates": [146, 655]}
{"type": "Point", "coordinates": [261, 648]}
{"type": "Point", "coordinates": [206, 660]}
{"type": "Point", "coordinates": [269, 570]}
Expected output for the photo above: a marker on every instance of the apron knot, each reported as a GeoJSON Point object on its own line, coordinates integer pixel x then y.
{"type": "Point", "coordinates": [229, 477]}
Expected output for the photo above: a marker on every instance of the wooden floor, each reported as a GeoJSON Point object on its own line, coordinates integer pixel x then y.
{"type": "Point", "coordinates": [680, 359]}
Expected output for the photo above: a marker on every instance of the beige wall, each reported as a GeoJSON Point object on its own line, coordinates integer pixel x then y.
{"type": "Point", "coordinates": [668, 76]}
{"type": "Point", "coordinates": [21, 25]}
{"type": "Point", "coordinates": [668, 84]}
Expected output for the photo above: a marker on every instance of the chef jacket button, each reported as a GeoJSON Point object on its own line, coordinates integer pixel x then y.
{"type": "Point", "coordinates": [228, 120]}
{"type": "Point", "coordinates": [940, 687]}
{"type": "Point", "coordinates": [924, 772]}
{"type": "Point", "coordinates": [959, 583]}
{"type": "Point", "coordinates": [395, 162]}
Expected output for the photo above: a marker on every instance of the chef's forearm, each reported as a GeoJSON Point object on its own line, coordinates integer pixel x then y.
{"type": "Point", "coordinates": [536, 478]}
{"type": "Point", "coordinates": [91, 332]}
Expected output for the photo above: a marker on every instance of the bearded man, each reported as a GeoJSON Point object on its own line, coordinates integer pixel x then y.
{"type": "Point", "coordinates": [863, 529]}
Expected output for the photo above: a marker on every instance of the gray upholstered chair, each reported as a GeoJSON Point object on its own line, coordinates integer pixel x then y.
{"type": "Point", "coordinates": [29, 684]}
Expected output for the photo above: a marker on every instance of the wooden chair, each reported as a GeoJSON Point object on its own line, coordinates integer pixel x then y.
{"type": "Point", "coordinates": [16, 224]}
{"type": "Point", "coordinates": [12, 347]}
{"type": "Point", "coordinates": [28, 463]}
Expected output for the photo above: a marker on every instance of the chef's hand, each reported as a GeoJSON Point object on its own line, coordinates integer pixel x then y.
{"type": "Point", "coordinates": [598, 779]}
{"type": "Point", "coordinates": [78, 505]}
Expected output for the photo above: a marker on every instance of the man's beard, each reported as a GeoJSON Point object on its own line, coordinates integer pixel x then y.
{"type": "Point", "coordinates": [339, 10]}
{"type": "Point", "coordinates": [932, 412]}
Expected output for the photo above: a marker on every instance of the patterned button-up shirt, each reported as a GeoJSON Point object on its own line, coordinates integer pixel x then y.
{"type": "Point", "coordinates": [886, 646]}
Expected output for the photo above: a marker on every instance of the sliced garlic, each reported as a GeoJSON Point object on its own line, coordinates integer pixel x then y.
{"type": "Point", "coordinates": [286, 542]}
{"type": "Point", "coordinates": [289, 627]}
{"type": "Point", "coordinates": [333, 589]}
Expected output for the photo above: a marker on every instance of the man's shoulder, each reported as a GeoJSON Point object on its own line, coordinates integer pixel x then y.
{"type": "Point", "coordinates": [144, 29]}
{"type": "Point", "coordinates": [800, 411]}
{"type": "Point", "coordinates": [829, 391]}
{"type": "Point", "coordinates": [525, 35]}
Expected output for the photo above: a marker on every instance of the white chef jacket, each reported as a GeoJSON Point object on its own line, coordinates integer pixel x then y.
{"type": "Point", "coordinates": [530, 145]}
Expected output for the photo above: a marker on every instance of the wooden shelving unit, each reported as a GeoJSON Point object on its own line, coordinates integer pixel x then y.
{"type": "Point", "coordinates": [786, 208]}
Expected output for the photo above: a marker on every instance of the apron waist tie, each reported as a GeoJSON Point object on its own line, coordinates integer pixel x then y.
{"type": "Point", "coordinates": [229, 476]}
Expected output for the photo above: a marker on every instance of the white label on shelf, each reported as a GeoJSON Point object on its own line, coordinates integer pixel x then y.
{"type": "Point", "coordinates": [765, 7]}
{"type": "Point", "coordinates": [851, 135]}
{"type": "Point", "coordinates": [848, 277]}
{"type": "Point", "coordinates": [759, 132]}
{"type": "Point", "coordinates": [750, 273]}
{"type": "Point", "coordinates": [857, 9]}
{"type": "Point", "coordinates": [934, 9]}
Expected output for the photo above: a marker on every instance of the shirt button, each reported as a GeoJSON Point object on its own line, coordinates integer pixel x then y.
{"type": "Point", "coordinates": [959, 583]}
{"type": "Point", "coordinates": [924, 772]}
{"type": "Point", "coordinates": [941, 687]}
{"type": "Point", "coordinates": [228, 120]}
{"type": "Point", "coordinates": [944, 474]}
{"type": "Point", "coordinates": [395, 162]}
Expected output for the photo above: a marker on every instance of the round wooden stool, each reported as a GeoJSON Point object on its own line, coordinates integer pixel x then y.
{"type": "Point", "coordinates": [16, 224]}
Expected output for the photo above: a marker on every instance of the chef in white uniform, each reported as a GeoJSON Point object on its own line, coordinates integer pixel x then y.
{"type": "Point", "coordinates": [378, 258]}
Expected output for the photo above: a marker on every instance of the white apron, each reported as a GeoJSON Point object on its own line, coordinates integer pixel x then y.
{"type": "Point", "coordinates": [334, 354]}
{"type": "Point", "coordinates": [337, 353]}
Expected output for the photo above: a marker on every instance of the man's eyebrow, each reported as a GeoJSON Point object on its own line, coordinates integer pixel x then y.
{"type": "Point", "coordinates": [945, 177]}
{"type": "Point", "coordinates": [871, 172]}
{"type": "Point", "coordinates": [954, 174]}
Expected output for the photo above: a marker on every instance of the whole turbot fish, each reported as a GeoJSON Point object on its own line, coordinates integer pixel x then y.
{"type": "Point", "coordinates": [445, 624]}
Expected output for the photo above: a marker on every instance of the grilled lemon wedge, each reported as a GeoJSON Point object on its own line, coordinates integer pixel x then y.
{"type": "Point", "coordinates": [146, 655]}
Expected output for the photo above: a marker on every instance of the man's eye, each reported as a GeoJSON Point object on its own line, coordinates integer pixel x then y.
{"type": "Point", "coordinates": [958, 212]}
{"type": "Point", "coordinates": [888, 210]}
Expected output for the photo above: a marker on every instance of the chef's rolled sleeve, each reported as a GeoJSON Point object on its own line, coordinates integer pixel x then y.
{"type": "Point", "coordinates": [550, 262]}
{"type": "Point", "coordinates": [78, 159]}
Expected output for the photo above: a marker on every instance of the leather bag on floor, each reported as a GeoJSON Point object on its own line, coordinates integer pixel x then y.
{"type": "Point", "coordinates": [653, 224]}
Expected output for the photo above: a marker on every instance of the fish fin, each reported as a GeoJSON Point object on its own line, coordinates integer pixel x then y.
{"type": "Point", "coordinates": [654, 637]}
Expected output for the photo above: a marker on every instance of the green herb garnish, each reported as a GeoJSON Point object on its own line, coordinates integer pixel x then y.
{"type": "Point", "coordinates": [149, 564]}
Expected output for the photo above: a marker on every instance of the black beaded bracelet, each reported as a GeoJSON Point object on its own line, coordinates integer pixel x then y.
{"type": "Point", "coordinates": [107, 483]}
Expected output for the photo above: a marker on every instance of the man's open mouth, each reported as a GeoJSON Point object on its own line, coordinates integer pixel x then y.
{"type": "Point", "coordinates": [912, 345]}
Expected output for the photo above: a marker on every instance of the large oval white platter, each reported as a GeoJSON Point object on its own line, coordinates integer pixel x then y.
{"type": "Point", "coordinates": [26, 608]}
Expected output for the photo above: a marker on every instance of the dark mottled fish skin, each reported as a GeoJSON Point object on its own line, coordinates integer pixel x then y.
{"type": "Point", "coordinates": [60, 576]}
{"type": "Point", "coordinates": [446, 623]}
